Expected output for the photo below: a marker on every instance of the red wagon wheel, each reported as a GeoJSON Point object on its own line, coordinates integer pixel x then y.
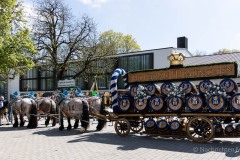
{"type": "Point", "coordinates": [200, 129]}
{"type": "Point", "coordinates": [122, 127]}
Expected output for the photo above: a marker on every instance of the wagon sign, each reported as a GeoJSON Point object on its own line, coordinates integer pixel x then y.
{"type": "Point", "coordinates": [66, 83]}
{"type": "Point", "coordinates": [221, 70]}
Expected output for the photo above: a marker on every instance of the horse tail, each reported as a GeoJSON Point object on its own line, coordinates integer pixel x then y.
{"type": "Point", "coordinates": [102, 122]}
{"type": "Point", "coordinates": [113, 86]}
{"type": "Point", "coordinates": [33, 122]}
{"type": "Point", "coordinates": [85, 116]}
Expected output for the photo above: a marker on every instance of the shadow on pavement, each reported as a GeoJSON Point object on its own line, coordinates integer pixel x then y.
{"type": "Point", "coordinates": [54, 132]}
{"type": "Point", "coordinates": [10, 127]}
{"type": "Point", "coordinates": [132, 142]}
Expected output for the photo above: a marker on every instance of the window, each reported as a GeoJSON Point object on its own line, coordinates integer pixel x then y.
{"type": "Point", "coordinates": [47, 84]}
{"type": "Point", "coordinates": [27, 85]}
{"type": "Point", "coordinates": [136, 62]}
{"type": "Point", "coordinates": [33, 73]}
{"type": "Point", "coordinates": [47, 73]}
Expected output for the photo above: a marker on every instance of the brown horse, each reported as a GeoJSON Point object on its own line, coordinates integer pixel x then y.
{"type": "Point", "coordinates": [96, 107]}
{"type": "Point", "coordinates": [74, 108]}
{"type": "Point", "coordinates": [25, 106]}
{"type": "Point", "coordinates": [46, 106]}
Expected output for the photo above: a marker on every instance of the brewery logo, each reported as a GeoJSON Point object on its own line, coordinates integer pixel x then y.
{"type": "Point", "coordinates": [194, 103]}
{"type": "Point", "coordinates": [133, 90]}
{"type": "Point", "coordinates": [150, 89]}
{"type": "Point", "coordinates": [140, 104]}
{"type": "Point", "coordinates": [216, 103]}
{"type": "Point", "coordinates": [150, 123]}
{"type": "Point", "coordinates": [175, 103]}
{"type": "Point", "coordinates": [156, 103]}
{"type": "Point", "coordinates": [228, 84]}
{"type": "Point", "coordinates": [186, 87]}
{"type": "Point", "coordinates": [124, 104]}
{"type": "Point", "coordinates": [205, 86]}
{"type": "Point", "coordinates": [162, 124]}
{"type": "Point", "coordinates": [165, 88]}
{"type": "Point", "coordinates": [235, 102]}
{"type": "Point", "coordinates": [175, 125]}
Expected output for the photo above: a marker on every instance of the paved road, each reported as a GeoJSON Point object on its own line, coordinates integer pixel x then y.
{"type": "Point", "coordinates": [46, 143]}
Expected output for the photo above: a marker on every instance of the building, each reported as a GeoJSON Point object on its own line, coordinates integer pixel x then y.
{"type": "Point", "coordinates": [42, 81]}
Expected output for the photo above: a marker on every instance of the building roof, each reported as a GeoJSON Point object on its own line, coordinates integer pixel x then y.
{"type": "Point", "coordinates": [182, 50]}
{"type": "Point", "coordinates": [217, 58]}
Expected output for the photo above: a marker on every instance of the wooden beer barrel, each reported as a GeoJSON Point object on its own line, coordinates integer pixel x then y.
{"type": "Point", "coordinates": [157, 105]}
{"type": "Point", "coordinates": [188, 87]}
{"type": "Point", "coordinates": [237, 128]}
{"type": "Point", "coordinates": [229, 130]}
{"type": "Point", "coordinates": [141, 104]}
{"type": "Point", "coordinates": [152, 89]}
{"type": "Point", "coordinates": [165, 87]}
{"type": "Point", "coordinates": [235, 102]}
{"type": "Point", "coordinates": [204, 86]}
{"type": "Point", "coordinates": [124, 104]}
{"type": "Point", "coordinates": [175, 125]}
{"type": "Point", "coordinates": [150, 125]}
{"type": "Point", "coordinates": [162, 125]}
{"type": "Point", "coordinates": [194, 103]}
{"type": "Point", "coordinates": [229, 85]}
{"type": "Point", "coordinates": [133, 90]}
{"type": "Point", "coordinates": [175, 104]}
{"type": "Point", "coordinates": [216, 103]}
{"type": "Point", "coordinates": [218, 129]}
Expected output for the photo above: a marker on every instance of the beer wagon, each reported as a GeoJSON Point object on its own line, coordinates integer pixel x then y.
{"type": "Point", "coordinates": [198, 113]}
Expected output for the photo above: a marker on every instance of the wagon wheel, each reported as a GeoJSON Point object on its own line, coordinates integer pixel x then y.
{"type": "Point", "coordinates": [136, 126]}
{"type": "Point", "coordinates": [122, 127]}
{"type": "Point", "coordinates": [200, 129]}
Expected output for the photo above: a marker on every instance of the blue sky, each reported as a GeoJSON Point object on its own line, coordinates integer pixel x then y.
{"type": "Point", "coordinates": [209, 25]}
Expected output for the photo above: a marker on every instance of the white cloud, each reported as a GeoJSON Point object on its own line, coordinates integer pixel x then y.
{"type": "Point", "coordinates": [94, 3]}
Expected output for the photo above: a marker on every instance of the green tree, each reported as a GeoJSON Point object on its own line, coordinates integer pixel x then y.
{"type": "Point", "coordinates": [116, 42]}
{"type": "Point", "coordinates": [16, 46]}
{"type": "Point", "coordinates": [226, 51]}
{"type": "Point", "coordinates": [105, 46]}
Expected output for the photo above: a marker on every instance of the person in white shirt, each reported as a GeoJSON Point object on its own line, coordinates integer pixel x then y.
{"type": "Point", "coordinates": [1, 102]}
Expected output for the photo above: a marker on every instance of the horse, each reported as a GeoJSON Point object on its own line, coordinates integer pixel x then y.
{"type": "Point", "coordinates": [96, 107]}
{"type": "Point", "coordinates": [46, 106]}
{"type": "Point", "coordinates": [73, 108]}
{"type": "Point", "coordinates": [24, 106]}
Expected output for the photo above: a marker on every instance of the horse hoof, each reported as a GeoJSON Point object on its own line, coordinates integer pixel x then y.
{"type": "Point", "coordinates": [61, 128]}
{"type": "Point", "coordinates": [69, 128]}
{"type": "Point", "coordinates": [82, 130]}
{"type": "Point", "coordinates": [75, 127]}
{"type": "Point", "coordinates": [46, 124]}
